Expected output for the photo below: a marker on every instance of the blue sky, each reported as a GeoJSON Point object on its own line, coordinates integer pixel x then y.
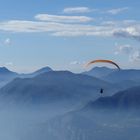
{"type": "Point", "coordinates": [67, 34]}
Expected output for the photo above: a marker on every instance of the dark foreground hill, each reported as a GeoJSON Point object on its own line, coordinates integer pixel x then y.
{"type": "Point", "coordinates": [92, 123]}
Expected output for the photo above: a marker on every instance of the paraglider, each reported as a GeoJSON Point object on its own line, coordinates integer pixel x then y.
{"type": "Point", "coordinates": [104, 61]}
{"type": "Point", "coordinates": [101, 91]}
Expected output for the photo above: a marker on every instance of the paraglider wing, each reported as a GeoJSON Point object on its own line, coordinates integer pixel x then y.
{"type": "Point", "coordinates": [103, 61]}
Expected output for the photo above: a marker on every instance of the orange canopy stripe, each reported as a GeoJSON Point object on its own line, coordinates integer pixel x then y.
{"type": "Point", "coordinates": [103, 61]}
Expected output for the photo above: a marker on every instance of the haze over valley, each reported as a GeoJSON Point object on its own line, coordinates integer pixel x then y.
{"type": "Point", "coordinates": [50, 104]}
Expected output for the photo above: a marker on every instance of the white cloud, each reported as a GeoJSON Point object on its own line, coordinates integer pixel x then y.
{"type": "Point", "coordinates": [53, 27]}
{"type": "Point", "coordinates": [72, 10]}
{"type": "Point", "coordinates": [135, 57]}
{"type": "Point", "coordinates": [30, 26]}
{"type": "Point", "coordinates": [9, 64]}
{"type": "Point", "coordinates": [133, 53]}
{"type": "Point", "coordinates": [117, 10]}
{"type": "Point", "coordinates": [125, 49]}
{"type": "Point", "coordinates": [81, 10]}
{"type": "Point", "coordinates": [77, 63]}
{"type": "Point", "coordinates": [6, 64]}
{"type": "Point", "coordinates": [129, 32]}
{"type": "Point", "coordinates": [117, 23]}
{"type": "Point", "coordinates": [120, 29]}
{"type": "Point", "coordinates": [63, 19]}
{"type": "Point", "coordinates": [7, 41]}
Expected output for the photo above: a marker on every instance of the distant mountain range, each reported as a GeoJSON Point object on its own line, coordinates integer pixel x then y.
{"type": "Point", "coordinates": [86, 114]}
{"type": "Point", "coordinates": [6, 75]}
{"type": "Point", "coordinates": [123, 79]}
{"type": "Point", "coordinates": [114, 75]}
{"type": "Point", "coordinates": [54, 86]}
{"type": "Point", "coordinates": [99, 72]}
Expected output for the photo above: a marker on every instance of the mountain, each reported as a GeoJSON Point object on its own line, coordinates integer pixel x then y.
{"type": "Point", "coordinates": [82, 114]}
{"type": "Point", "coordinates": [99, 72]}
{"type": "Point", "coordinates": [127, 99]}
{"type": "Point", "coordinates": [5, 71]}
{"type": "Point", "coordinates": [123, 75]}
{"type": "Point", "coordinates": [42, 70]}
{"type": "Point", "coordinates": [123, 79]}
{"type": "Point", "coordinates": [99, 120]}
{"type": "Point", "coordinates": [54, 86]}
{"type": "Point", "coordinates": [6, 76]}
{"type": "Point", "coordinates": [75, 120]}
{"type": "Point", "coordinates": [37, 72]}
{"type": "Point", "coordinates": [126, 84]}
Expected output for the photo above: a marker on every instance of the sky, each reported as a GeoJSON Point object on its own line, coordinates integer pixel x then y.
{"type": "Point", "coordinates": [66, 34]}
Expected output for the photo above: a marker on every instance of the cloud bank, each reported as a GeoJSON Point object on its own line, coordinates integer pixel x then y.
{"type": "Point", "coordinates": [121, 29]}
{"type": "Point", "coordinates": [75, 26]}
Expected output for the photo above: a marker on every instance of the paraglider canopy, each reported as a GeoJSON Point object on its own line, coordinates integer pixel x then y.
{"type": "Point", "coordinates": [104, 61]}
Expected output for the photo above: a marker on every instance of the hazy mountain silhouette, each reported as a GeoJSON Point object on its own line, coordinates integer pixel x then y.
{"type": "Point", "coordinates": [37, 72]}
{"type": "Point", "coordinates": [123, 85]}
{"type": "Point", "coordinates": [6, 76]}
{"type": "Point", "coordinates": [42, 70]}
{"type": "Point", "coordinates": [99, 71]}
{"type": "Point", "coordinates": [107, 118]}
{"type": "Point", "coordinates": [127, 99]}
{"type": "Point", "coordinates": [123, 75]}
{"type": "Point", "coordinates": [54, 86]}
{"type": "Point", "coordinates": [4, 70]}
{"type": "Point", "coordinates": [121, 79]}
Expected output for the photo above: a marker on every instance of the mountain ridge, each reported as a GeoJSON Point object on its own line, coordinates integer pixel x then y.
{"type": "Point", "coordinates": [127, 99]}
{"type": "Point", "coordinates": [53, 85]}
